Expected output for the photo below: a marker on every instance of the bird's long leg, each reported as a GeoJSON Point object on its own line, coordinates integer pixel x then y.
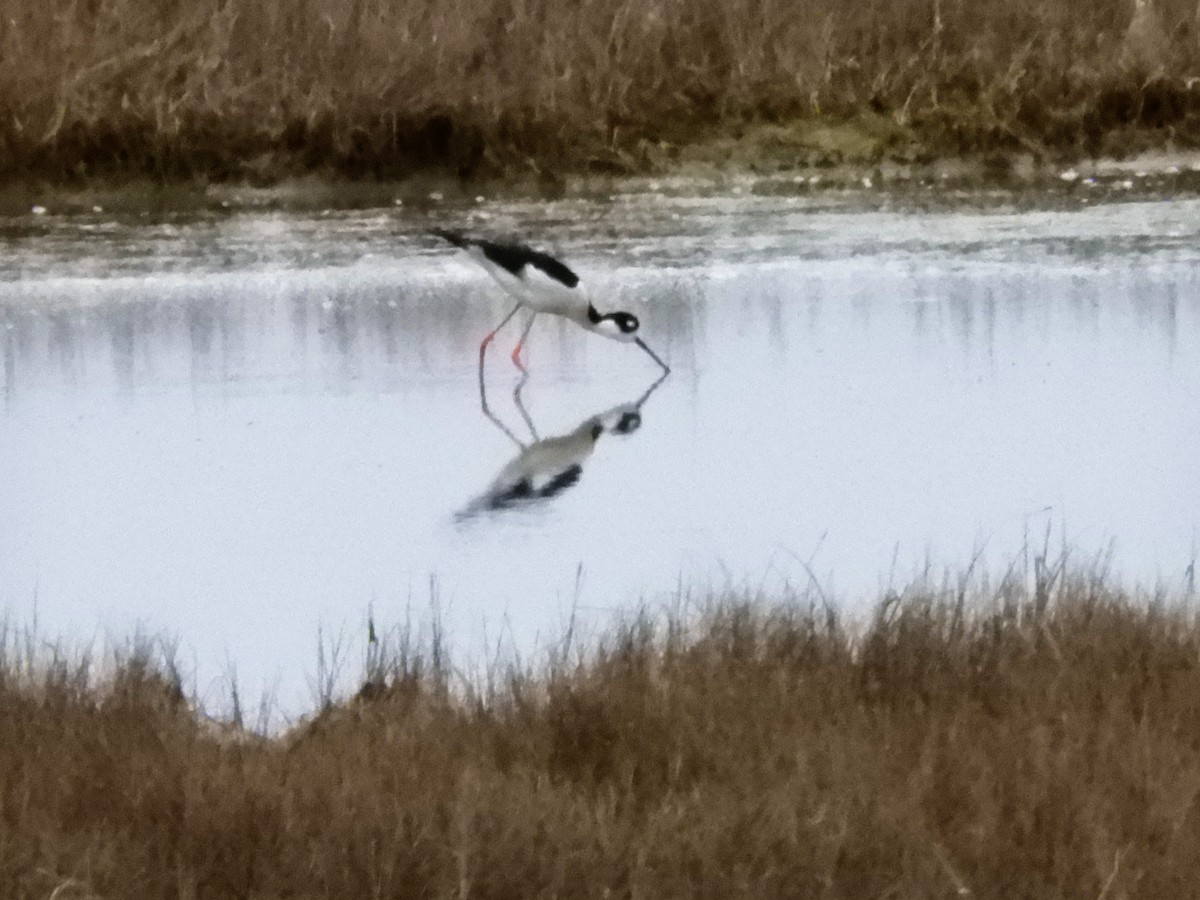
{"type": "Point", "coordinates": [516, 354]}
{"type": "Point", "coordinates": [483, 388]}
{"type": "Point", "coordinates": [491, 334]}
{"type": "Point", "coordinates": [487, 412]}
{"type": "Point", "coordinates": [520, 404]}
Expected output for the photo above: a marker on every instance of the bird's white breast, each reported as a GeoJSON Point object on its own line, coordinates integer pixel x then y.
{"type": "Point", "coordinates": [536, 290]}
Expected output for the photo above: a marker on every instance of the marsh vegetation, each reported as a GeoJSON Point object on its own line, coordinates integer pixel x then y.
{"type": "Point", "coordinates": [1001, 741]}
{"type": "Point", "coordinates": [256, 89]}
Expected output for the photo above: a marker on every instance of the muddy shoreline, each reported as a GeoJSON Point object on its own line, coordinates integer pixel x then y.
{"type": "Point", "coordinates": [722, 167]}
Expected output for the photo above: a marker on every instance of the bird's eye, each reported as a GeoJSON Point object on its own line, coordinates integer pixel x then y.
{"type": "Point", "coordinates": [631, 421]}
{"type": "Point", "coordinates": [629, 325]}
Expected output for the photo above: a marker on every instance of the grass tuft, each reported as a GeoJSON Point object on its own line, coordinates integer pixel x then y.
{"type": "Point", "coordinates": [257, 89]}
{"type": "Point", "coordinates": [1016, 742]}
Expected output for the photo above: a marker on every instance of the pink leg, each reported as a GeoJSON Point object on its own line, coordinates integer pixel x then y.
{"type": "Point", "coordinates": [516, 354]}
{"type": "Point", "coordinates": [491, 334]}
{"type": "Point", "coordinates": [516, 358]}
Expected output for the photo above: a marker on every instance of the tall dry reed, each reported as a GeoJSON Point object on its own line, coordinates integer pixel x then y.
{"type": "Point", "coordinates": [1041, 744]}
{"type": "Point", "coordinates": [380, 87]}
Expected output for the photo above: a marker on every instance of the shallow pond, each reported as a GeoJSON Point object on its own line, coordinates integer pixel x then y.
{"type": "Point", "coordinates": [241, 429]}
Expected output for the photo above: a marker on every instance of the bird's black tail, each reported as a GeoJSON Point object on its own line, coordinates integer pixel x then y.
{"type": "Point", "coordinates": [457, 238]}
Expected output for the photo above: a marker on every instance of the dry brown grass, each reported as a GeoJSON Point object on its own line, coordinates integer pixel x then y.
{"type": "Point", "coordinates": [261, 88]}
{"type": "Point", "coordinates": [1043, 745]}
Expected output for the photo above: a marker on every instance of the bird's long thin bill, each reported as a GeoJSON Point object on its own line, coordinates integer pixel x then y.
{"type": "Point", "coordinates": [653, 355]}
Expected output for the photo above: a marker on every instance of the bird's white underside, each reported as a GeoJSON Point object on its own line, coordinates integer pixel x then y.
{"type": "Point", "coordinates": [536, 290]}
{"type": "Point", "coordinates": [539, 293]}
{"type": "Point", "coordinates": [542, 460]}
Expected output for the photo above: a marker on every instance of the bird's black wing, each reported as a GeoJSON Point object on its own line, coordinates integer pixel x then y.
{"type": "Point", "coordinates": [513, 257]}
{"type": "Point", "coordinates": [555, 269]}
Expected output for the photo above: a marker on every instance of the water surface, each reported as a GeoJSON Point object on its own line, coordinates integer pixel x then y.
{"type": "Point", "coordinates": [238, 428]}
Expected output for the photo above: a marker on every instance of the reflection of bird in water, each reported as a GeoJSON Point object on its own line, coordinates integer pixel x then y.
{"type": "Point", "coordinates": [543, 284]}
{"type": "Point", "coordinates": [548, 466]}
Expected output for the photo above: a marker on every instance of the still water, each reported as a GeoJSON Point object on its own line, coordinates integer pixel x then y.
{"type": "Point", "coordinates": [241, 429]}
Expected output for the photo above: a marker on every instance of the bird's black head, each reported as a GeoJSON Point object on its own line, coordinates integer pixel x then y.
{"type": "Point", "coordinates": [628, 423]}
{"type": "Point", "coordinates": [627, 322]}
{"type": "Point", "coordinates": [620, 326]}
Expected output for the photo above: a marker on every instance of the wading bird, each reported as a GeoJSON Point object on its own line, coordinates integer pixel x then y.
{"type": "Point", "coordinates": [546, 467]}
{"type": "Point", "coordinates": [542, 284]}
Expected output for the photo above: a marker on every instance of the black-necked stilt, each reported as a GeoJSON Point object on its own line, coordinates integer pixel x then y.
{"type": "Point", "coordinates": [543, 284]}
{"type": "Point", "coordinates": [546, 467]}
